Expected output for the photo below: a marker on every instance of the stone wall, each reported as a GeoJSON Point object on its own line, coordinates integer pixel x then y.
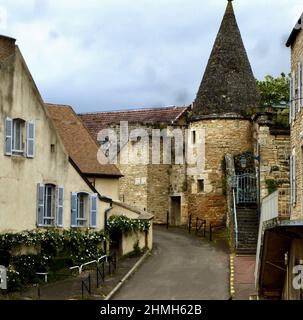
{"type": "Point", "coordinates": [222, 136]}
{"type": "Point", "coordinates": [148, 186]}
{"type": "Point", "coordinates": [274, 150]}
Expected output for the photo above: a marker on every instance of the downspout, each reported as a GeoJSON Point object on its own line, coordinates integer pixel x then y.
{"type": "Point", "coordinates": [106, 214]}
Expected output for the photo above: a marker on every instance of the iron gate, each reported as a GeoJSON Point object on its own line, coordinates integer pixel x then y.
{"type": "Point", "coordinates": [246, 188]}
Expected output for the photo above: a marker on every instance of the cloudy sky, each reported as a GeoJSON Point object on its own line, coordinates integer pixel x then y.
{"type": "Point", "coordinates": [114, 54]}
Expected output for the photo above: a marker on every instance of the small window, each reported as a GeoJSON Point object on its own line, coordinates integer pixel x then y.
{"type": "Point", "coordinates": [193, 137]}
{"type": "Point", "coordinates": [82, 209]}
{"type": "Point", "coordinates": [52, 148]}
{"type": "Point", "coordinates": [200, 185]}
{"type": "Point", "coordinates": [18, 134]}
{"type": "Point", "coordinates": [49, 205]}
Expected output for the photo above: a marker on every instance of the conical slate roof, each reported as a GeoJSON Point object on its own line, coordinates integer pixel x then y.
{"type": "Point", "coordinates": [228, 85]}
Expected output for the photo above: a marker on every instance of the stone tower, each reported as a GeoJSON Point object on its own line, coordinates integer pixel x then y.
{"type": "Point", "coordinates": [225, 101]}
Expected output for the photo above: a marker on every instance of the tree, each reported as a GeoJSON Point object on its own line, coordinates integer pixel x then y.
{"type": "Point", "coordinates": [274, 91]}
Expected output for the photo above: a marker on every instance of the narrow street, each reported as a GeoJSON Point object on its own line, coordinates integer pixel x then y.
{"type": "Point", "coordinates": [181, 267]}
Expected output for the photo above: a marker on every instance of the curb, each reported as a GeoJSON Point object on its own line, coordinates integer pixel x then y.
{"type": "Point", "coordinates": [232, 275]}
{"type": "Point", "coordinates": [128, 275]}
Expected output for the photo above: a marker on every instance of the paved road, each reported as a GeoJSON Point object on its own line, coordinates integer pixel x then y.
{"type": "Point", "coordinates": [181, 267]}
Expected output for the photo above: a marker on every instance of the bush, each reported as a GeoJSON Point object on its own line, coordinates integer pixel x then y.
{"type": "Point", "coordinates": [59, 249]}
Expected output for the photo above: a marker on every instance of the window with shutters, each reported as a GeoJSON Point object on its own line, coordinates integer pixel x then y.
{"type": "Point", "coordinates": [19, 137]}
{"type": "Point", "coordinates": [50, 205]}
{"type": "Point", "coordinates": [83, 210]}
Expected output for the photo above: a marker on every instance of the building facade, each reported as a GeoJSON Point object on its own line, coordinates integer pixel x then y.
{"type": "Point", "coordinates": [279, 261]}
{"type": "Point", "coordinates": [50, 176]}
{"type": "Point", "coordinates": [221, 111]}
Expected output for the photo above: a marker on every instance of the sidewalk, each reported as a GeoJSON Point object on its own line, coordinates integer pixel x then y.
{"type": "Point", "coordinates": [244, 279]}
{"type": "Point", "coordinates": [71, 288]}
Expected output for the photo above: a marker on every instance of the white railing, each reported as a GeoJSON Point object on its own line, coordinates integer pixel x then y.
{"type": "Point", "coordinates": [270, 207]}
{"type": "Point", "coordinates": [274, 206]}
{"type": "Point", "coordinates": [80, 268]}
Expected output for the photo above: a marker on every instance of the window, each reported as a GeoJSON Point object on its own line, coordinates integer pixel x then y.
{"type": "Point", "coordinates": [293, 191]}
{"type": "Point", "coordinates": [83, 210]}
{"type": "Point", "coordinates": [200, 185]}
{"type": "Point", "coordinates": [193, 137]}
{"type": "Point", "coordinates": [49, 195]}
{"type": "Point", "coordinates": [18, 127]}
{"type": "Point", "coordinates": [50, 205]}
{"type": "Point", "coordinates": [19, 134]}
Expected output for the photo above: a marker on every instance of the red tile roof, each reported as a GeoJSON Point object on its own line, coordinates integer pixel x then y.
{"type": "Point", "coordinates": [101, 120]}
{"type": "Point", "coordinates": [77, 141]}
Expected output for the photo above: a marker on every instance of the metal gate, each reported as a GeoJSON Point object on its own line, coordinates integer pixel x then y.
{"type": "Point", "coordinates": [246, 188]}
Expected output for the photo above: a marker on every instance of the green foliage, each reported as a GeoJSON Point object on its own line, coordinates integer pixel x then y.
{"type": "Point", "coordinates": [282, 118]}
{"type": "Point", "coordinates": [13, 279]}
{"type": "Point", "coordinates": [272, 185]}
{"type": "Point", "coordinates": [126, 226]}
{"type": "Point", "coordinates": [274, 91]}
{"type": "Point", "coordinates": [56, 246]}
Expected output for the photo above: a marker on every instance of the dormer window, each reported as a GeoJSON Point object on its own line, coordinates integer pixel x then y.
{"type": "Point", "coordinates": [19, 137]}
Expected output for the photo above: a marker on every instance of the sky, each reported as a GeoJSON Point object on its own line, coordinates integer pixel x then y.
{"type": "Point", "coordinates": [100, 55]}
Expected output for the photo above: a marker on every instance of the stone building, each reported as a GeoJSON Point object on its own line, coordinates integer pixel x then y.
{"type": "Point", "coordinates": [279, 261]}
{"type": "Point", "coordinates": [221, 118]}
{"type": "Point", "coordinates": [146, 186]}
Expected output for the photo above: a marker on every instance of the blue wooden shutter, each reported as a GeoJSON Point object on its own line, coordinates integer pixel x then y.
{"type": "Point", "coordinates": [74, 201]}
{"type": "Point", "coordinates": [8, 136]}
{"type": "Point", "coordinates": [40, 205]}
{"type": "Point", "coordinates": [30, 139]}
{"type": "Point", "coordinates": [93, 210]}
{"type": "Point", "coordinates": [60, 204]}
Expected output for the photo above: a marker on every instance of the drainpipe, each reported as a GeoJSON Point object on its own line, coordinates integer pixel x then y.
{"type": "Point", "coordinates": [105, 221]}
{"type": "Point", "coordinates": [286, 260]}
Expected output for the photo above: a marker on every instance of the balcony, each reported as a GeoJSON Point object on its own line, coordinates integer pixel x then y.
{"type": "Point", "coordinates": [276, 206]}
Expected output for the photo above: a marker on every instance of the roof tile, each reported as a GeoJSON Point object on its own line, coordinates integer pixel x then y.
{"type": "Point", "coordinates": [77, 141]}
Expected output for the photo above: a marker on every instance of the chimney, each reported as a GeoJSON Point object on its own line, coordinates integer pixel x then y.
{"type": "Point", "coordinates": [7, 47]}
